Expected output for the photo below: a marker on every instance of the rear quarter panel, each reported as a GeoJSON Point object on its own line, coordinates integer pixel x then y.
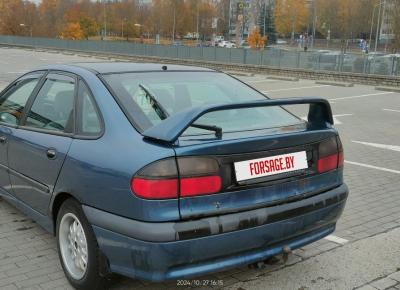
{"type": "Point", "coordinates": [98, 172]}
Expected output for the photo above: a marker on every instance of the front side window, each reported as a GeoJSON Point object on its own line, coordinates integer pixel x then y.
{"type": "Point", "coordinates": [14, 101]}
{"type": "Point", "coordinates": [53, 106]}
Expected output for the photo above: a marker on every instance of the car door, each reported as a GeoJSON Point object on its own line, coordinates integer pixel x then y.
{"type": "Point", "coordinates": [12, 103]}
{"type": "Point", "coordinates": [39, 146]}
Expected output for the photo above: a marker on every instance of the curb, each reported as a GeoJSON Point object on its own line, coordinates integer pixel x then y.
{"type": "Point", "coordinates": [282, 78]}
{"type": "Point", "coordinates": [242, 74]}
{"type": "Point", "coordinates": [388, 89]}
{"type": "Point", "coordinates": [338, 84]}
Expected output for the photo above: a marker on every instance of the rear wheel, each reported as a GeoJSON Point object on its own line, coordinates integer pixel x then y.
{"type": "Point", "coordinates": [77, 247]}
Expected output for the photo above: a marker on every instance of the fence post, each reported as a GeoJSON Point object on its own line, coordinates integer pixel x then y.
{"type": "Point", "coordinates": [279, 58]}
{"type": "Point", "coordinates": [244, 55]}
{"type": "Point", "coordinates": [298, 59]}
{"type": "Point", "coordinates": [319, 61]}
{"type": "Point", "coordinates": [392, 71]}
{"type": "Point", "coordinates": [341, 62]}
{"type": "Point", "coordinates": [365, 64]}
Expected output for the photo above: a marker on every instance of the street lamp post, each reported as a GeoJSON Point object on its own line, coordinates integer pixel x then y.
{"type": "Point", "coordinates": [314, 24]}
{"type": "Point", "coordinates": [173, 27]}
{"type": "Point", "coordinates": [229, 21]}
{"type": "Point", "coordinates": [105, 19]}
{"type": "Point", "coordinates": [197, 23]}
{"type": "Point", "coordinates": [122, 27]}
{"type": "Point", "coordinates": [377, 24]}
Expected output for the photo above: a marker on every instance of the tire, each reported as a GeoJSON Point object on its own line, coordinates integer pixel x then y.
{"type": "Point", "coordinates": [77, 248]}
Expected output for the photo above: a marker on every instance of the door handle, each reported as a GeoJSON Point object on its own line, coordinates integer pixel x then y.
{"type": "Point", "coordinates": [3, 139]}
{"type": "Point", "coordinates": [51, 153]}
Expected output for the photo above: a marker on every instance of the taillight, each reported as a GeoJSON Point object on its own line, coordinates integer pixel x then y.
{"type": "Point", "coordinates": [158, 180]}
{"type": "Point", "coordinates": [155, 189]}
{"type": "Point", "coordinates": [193, 186]}
{"type": "Point", "coordinates": [330, 155]}
{"type": "Point", "coordinates": [170, 178]}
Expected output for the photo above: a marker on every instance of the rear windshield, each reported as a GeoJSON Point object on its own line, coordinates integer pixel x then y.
{"type": "Point", "coordinates": [150, 97]}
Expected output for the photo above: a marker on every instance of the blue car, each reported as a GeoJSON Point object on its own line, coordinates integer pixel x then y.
{"type": "Point", "coordinates": [164, 172]}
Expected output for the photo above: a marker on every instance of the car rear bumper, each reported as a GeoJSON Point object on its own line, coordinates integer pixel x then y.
{"type": "Point", "coordinates": [166, 251]}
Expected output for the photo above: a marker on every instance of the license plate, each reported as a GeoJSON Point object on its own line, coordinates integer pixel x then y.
{"type": "Point", "coordinates": [272, 165]}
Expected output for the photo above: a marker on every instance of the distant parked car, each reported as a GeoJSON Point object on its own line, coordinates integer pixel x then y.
{"type": "Point", "coordinates": [281, 42]}
{"type": "Point", "coordinates": [227, 44]}
{"type": "Point", "coordinates": [219, 38]}
{"type": "Point", "coordinates": [177, 43]}
{"type": "Point", "coordinates": [166, 172]}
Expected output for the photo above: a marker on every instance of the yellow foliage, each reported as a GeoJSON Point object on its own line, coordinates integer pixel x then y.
{"type": "Point", "coordinates": [255, 39]}
{"type": "Point", "coordinates": [73, 31]}
{"type": "Point", "coordinates": [291, 16]}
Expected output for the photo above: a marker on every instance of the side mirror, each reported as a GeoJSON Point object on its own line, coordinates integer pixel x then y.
{"type": "Point", "coordinates": [8, 118]}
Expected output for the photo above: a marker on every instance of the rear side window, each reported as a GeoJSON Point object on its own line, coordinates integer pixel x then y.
{"type": "Point", "coordinates": [14, 101]}
{"type": "Point", "coordinates": [150, 97]}
{"type": "Point", "coordinates": [53, 107]}
{"type": "Point", "coordinates": [89, 119]}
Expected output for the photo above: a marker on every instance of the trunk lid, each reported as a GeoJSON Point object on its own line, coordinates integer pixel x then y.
{"type": "Point", "coordinates": [213, 185]}
{"type": "Point", "coordinates": [240, 195]}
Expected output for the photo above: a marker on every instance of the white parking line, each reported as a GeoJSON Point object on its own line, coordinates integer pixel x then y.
{"type": "Point", "coordinates": [382, 146]}
{"type": "Point", "coordinates": [336, 239]}
{"type": "Point", "coordinates": [335, 119]}
{"type": "Point", "coordinates": [391, 110]}
{"type": "Point", "coordinates": [260, 81]}
{"type": "Point", "coordinates": [297, 88]}
{"type": "Point", "coordinates": [372, 167]}
{"type": "Point", "coordinates": [360, 96]}
{"type": "Point", "coordinates": [16, 72]}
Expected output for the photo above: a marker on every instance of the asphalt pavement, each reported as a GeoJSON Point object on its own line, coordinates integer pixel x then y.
{"type": "Point", "coordinates": [362, 252]}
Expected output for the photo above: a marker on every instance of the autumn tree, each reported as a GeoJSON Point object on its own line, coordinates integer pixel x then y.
{"type": "Point", "coordinates": [291, 16]}
{"type": "Point", "coordinates": [344, 18]}
{"type": "Point", "coordinates": [207, 12]}
{"type": "Point", "coordinates": [72, 31]}
{"type": "Point", "coordinates": [130, 18]}
{"type": "Point", "coordinates": [395, 12]}
{"type": "Point", "coordinates": [88, 25]}
{"type": "Point", "coordinates": [14, 18]}
{"type": "Point", "coordinates": [255, 39]}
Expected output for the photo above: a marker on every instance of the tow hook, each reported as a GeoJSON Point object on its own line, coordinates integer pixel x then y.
{"type": "Point", "coordinates": [285, 253]}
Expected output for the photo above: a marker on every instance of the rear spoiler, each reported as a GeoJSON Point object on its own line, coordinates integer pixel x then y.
{"type": "Point", "coordinates": [171, 128]}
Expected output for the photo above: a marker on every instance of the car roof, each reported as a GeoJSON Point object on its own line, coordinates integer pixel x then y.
{"type": "Point", "coordinates": [121, 67]}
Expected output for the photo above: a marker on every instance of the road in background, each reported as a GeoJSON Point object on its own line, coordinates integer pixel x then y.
{"type": "Point", "coordinates": [363, 247]}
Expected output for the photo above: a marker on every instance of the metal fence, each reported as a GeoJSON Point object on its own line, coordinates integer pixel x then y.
{"type": "Point", "coordinates": [273, 57]}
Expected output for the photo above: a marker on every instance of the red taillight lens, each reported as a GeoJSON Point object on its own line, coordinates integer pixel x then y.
{"type": "Point", "coordinates": [330, 155]}
{"type": "Point", "coordinates": [327, 163]}
{"type": "Point", "coordinates": [200, 185]}
{"type": "Point", "coordinates": [159, 180]}
{"type": "Point", "coordinates": [155, 188]}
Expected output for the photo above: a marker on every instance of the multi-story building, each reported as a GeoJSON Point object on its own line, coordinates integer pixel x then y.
{"type": "Point", "coordinates": [387, 18]}
{"type": "Point", "coordinates": [244, 15]}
